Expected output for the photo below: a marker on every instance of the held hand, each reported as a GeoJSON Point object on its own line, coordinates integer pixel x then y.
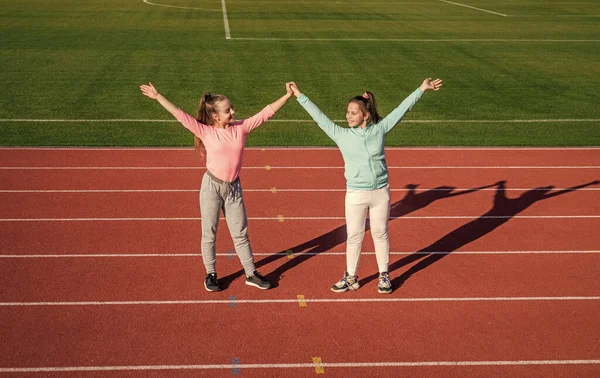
{"type": "Point", "coordinates": [295, 90]}
{"type": "Point", "coordinates": [149, 91]}
{"type": "Point", "coordinates": [431, 84]}
{"type": "Point", "coordinates": [288, 88]}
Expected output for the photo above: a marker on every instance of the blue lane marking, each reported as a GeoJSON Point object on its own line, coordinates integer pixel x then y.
{"type": "Point", "coordinates": [236, 370]}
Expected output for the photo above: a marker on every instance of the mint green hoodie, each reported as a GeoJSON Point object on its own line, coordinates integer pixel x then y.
{"type": "Point", "coordinates": [362, 149]}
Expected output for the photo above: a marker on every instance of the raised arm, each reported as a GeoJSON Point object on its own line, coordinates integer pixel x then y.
{"type": "Point", "coordinates": [150, 91]}
{"type": "Point", "coordinates": [186, 120]}
{"type": "Point", "coordinates": [397, 114]}
{"type": "Point", "coordinates": [331, 129]}
{"type": "Point", "coordinates": [278, 104]}
{"type": "Point", "coordinates": [268, 111]}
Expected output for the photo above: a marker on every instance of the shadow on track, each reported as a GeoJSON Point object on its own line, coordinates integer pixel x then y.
{"type": "Point", "coordinates": [412, 202]}
{"type": "Point", "coordinates": [502, 211]}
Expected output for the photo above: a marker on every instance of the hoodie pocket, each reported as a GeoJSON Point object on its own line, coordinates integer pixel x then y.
{"type": "Point", "coordinates": [380, 169]}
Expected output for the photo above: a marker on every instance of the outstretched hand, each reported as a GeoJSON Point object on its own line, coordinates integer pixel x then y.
{"type": "Point", "coordinates": [149, 91]}
{"type": "Point", "coordinates": [431, 84]}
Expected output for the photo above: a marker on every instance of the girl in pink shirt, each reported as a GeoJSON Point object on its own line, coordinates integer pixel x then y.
{"type": "Point", "coordinates": [216, 130]}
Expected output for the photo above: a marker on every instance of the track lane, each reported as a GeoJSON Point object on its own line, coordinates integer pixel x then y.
{"type": "Point", "coordinates": [300, 156]}
{"type": "Point", "coordinates": [178, 334]}
{"type": "Point", "coordinates": [291, 204]}
{"type": "Point", "coordinates": [281, 178]}
{"type": "Point", "coordinates": [299, 235]}
{"type": "Point", "coordinates": [107, 279]}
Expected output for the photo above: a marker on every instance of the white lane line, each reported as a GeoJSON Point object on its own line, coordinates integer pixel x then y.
{"type": "Point", "coordinates": [554, 15]}
{"type": "Point", "coordinates": [479, 9]}
{"type": "Point", "coordinates": [271, 167]}
{"type": "Point", "coordinates": [225, 20]}
{"type": "Point", "coordinates": [484, 120]}
{"type": "Point", "coordinates": [174, 6]}
{"type": "Point", "coordinates": [295, 301]}
{"type": "Point", "coordinates": [325, 254]}
{"type": "Point", "coordinates": [542, 120]}
{"type": "Point", "coordinates": [311, 366]}
{"type": "Point", "coordinates": [308, 190]}
{"type": "Point", "coordinates": [297, 148]}
{"type": "Point", "coordinates": [123, 191]}
{"type": "Point", "coordinates": [418, 40]}
{"type": "Point", "coordinates": [87, 120]}
{"type": "Point", "coordinates": [405, 217]}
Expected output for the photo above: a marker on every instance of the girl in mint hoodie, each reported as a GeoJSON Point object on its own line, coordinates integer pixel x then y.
{"type": "Point", "coordinates": [367, 188]}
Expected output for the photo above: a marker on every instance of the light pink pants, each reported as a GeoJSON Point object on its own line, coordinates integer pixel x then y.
{"type": "Point", "coordinates": [377, 203]}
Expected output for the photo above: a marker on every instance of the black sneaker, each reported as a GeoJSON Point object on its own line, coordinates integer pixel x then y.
{"type": "Point", "coordinates": [211, 283]}
{"type": "Point", "coordinates": [347, 283]}
{"type": "Point", "coordinates": [385, 286]}
{"type": "Point", "coordinates": [258, 281]}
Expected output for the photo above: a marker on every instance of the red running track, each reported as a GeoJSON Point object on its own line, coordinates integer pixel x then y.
{"type": "Point", "coordinates": [502, 281]}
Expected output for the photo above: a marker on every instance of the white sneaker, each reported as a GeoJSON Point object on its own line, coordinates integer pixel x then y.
{"type": "Point", "coordinates": [385, 286]}
{"type": "Point", "coordinates": [347, 283]}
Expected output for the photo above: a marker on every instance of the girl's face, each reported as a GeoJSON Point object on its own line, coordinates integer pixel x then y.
{"type": "Point", "coordinates": [355, 115]}
{"type": "Point", "coordinates": [225, 115]}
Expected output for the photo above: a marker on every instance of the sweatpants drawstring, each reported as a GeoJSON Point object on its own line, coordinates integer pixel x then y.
{"type": "Point", "coordinates": [234, 189]}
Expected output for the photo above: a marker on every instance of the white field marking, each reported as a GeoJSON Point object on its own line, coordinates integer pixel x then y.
{"type": "Point", "coordinates": [554, 15]}
{"type": "Point", "coordinates": [174, 6]}
{"type": "Point", "coordinates": [298, 365]}
{"type": "Point", "coordinates": [542, 120]}
{"type": "Point", "coordinates": [462, 120]}
{"type": "Point", "coordinates": [225, 20]}
{"type": "Point", "coordinates": [420, 190]}
{"type": "Point", "coordinates": [262, 167]}
{"type": "Point", "coordinates": [179, 255]}
{"type": "Point", "coordinates": [87, 120]}
{"type": "Point", "coordinates": [404, 217]}
{"type": "Point", "coordinates": [468, 6]}
{"type": "Point", "coordinates": [304, 148]}
{"type": "Point", "coordinates": [411, 40]}
{"type": "Point", "coordinates": [295, 300]}
{"type": "Point", "coordinates": [311, 366]}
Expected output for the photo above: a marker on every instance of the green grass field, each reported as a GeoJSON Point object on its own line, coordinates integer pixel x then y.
{"type": "Point", "coordinates": [501, 61]}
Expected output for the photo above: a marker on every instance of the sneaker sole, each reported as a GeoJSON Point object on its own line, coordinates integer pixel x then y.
{"type": "Point", "coordinates": [340, 290]}
{"type": "Point", "coordinates": [211, 290]}
{"type": "Point", "coordinates": [343, 290]}
{"type": "Point", "coordinates": [384, 291]}
{"type": "Point", "coordinates": [255, 285]}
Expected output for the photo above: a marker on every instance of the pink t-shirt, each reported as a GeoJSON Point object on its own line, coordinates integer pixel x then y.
{"type": "Point", "coordinates": [224, 147]}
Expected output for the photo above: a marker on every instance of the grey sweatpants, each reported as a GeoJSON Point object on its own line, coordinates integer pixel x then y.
{"type": "Point", "coordinates": [214, 197]}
